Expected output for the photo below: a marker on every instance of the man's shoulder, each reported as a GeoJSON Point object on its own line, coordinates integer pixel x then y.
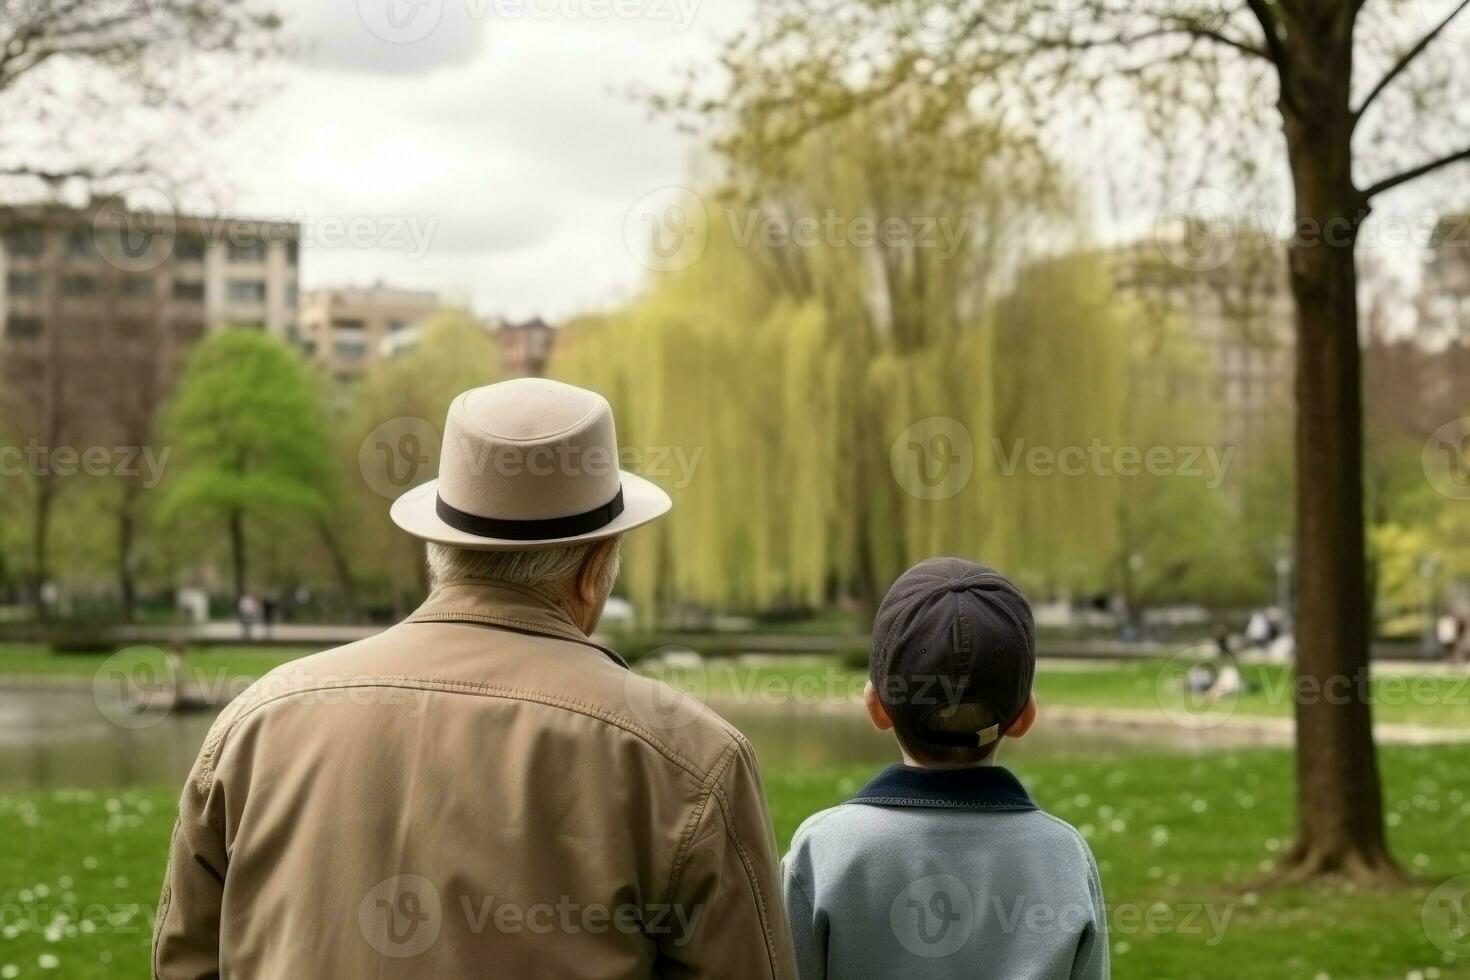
{"type": "Point", "coordinates": [561, 675]}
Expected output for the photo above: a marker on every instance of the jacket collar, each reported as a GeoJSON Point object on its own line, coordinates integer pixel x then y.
{"type": "Point", "coordinates": [976, 788]}
{"type": "Point", "coordinates": [502, 605]}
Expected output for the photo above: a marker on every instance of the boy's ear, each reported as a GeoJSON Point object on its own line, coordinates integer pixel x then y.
{"type": "Point", "coordinates": [876, 712]}
{"type": "Point", "coordinates": [1024, 720]}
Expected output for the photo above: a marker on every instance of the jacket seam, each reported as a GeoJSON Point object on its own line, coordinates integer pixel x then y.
{"type": "Point", "coordinates": [214, 746]}
{"type": "Point", "coordinates": [696, 816]}
{"type": "Point", "coordinates": [760, 901]}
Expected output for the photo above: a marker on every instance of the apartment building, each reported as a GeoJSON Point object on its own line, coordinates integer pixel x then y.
{"type": "Point", "coordinates": [107, 274]}
{"type": "Point", "coordinates": [1232, 298]}
{"type": "Point", "coordinates": [349, 330]}
{"type": "Point", "coordinates": [1446, 306]}
{"type": "Point", "coordinates": [525, 348]}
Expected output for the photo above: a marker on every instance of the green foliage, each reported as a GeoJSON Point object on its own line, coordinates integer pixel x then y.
{"type": "Point", "coordinates": [248, 430]}
{"type": "Point", "coordinates": [454, 353]}
{"type": "Point", "coordinates": [248, 433]}
{"type": "Point", "coordinates": [790, 370]}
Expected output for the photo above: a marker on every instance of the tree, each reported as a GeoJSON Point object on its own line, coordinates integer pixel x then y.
{"type": "Point", "coordinates": [1335, 80]}
{"type": "Point", "coordinates": [84, 85]}
{"type": "Point", "coordinates": [454, 353]}
{"type": "Point", "coordinates": [886, 378]}
{"type": "Point", "coordinates": [249, 437]}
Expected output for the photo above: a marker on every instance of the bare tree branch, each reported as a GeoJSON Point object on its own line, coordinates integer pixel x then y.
{"type": "Point", "coordinates": [1279, 57]}
{"type": "Point", "coordinates": [1417, 172]}
{"type": "Point", "coordinates": [1408, 58]}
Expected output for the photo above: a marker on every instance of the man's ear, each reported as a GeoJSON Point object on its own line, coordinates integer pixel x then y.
{"type": "Point", "coordinates": [590, 576]}
{"type": "Point", "coordinates": [876, 712]}
{"type": "Point", "coordinates": [1024, 720]}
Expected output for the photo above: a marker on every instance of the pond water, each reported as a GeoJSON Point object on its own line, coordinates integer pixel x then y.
{"type": "Point", "coordinates": [58, 736]}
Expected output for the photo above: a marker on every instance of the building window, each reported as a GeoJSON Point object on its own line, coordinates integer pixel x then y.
{"type": "Point", "coordinates": [189, 290]}
{"type": "Point", "coordinates": [188, 331]}
{"type": "Point", "coordinates": [396, 325]}
{"type": "Point", "coordinates": [245, 291]}
{"type": "Point", "coordinates": [77, 287]}
{"type": "Point", "coordinates": [25, 243]}
{"type": "Point", "coordinates": [189, 248]}
{"type": "Point", "coordinates": [349, 350]}
{"type": "Point", "coordinates": [132, 329]}
{"type": "Point", "coordinates": [293, 252]}
{"type": "Point", "coordinates": [247, 252]}
{"type": "Point", "coordinates": [137, 287]}
{"type": "Point", "coordinates": [81, 243]}
{"type": "Point", "coordinates": [23, 284]}
{"type": "Point", "coordinates": [24, 327]}
{"type": "Point", "coordinates": [356, 326]}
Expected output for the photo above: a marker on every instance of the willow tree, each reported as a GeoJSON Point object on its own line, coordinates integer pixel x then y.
{"type": "Point", "coordinates": [1364, 96]}
{"type": "Point", "coordinates": [814, 365]}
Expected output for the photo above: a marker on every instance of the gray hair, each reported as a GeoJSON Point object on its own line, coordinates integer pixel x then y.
{"type": "Point", "coordinates": [549, 570]}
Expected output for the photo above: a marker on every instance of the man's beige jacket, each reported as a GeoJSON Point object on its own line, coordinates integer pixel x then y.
{"type": "Point", "coordinates": [479, 791]}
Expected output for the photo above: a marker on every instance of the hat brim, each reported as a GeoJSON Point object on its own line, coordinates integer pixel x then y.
{"type": "Point", "coordinates": [416, 512]}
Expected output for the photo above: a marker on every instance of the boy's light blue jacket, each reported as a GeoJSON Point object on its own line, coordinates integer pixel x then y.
{"type": "Point", "coordinates": [944, 873]}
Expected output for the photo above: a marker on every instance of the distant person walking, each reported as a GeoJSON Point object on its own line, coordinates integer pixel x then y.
{"type": "Point", "coordinates": [482, 790]}
{"type": "Point", "coordinates": [1258, 632]}
{"type": "Point", "coordinates": [247, 609]}
{"type": "Point", "coordinates": [270, 611]}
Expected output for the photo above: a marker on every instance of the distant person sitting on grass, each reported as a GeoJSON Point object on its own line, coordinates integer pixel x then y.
{"type": "Point", "coordinates": [943, 866]}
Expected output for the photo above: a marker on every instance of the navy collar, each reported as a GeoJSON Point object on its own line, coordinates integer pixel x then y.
{"type": "Point", "coordinates": [975, 788]}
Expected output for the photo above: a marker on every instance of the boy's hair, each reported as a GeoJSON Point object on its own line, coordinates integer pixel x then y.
{"type": "Point", "coordinates": [949, 718]}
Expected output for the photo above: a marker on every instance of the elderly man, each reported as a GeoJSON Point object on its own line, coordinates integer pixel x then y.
{"type": "Point", "coordinates": [482, 790]}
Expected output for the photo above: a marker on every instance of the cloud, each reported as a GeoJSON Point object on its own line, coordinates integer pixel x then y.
{"type": "Point", "coordinates": [384, 37]}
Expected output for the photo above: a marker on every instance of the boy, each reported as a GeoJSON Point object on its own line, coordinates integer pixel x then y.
{"type": "Point", "coordinates": [942, 866]}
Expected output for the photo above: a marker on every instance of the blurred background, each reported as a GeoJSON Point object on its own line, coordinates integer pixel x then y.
{"type": "Point", "coordinates": [865, 281]}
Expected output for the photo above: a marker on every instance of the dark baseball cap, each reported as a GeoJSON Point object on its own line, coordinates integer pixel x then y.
{"type": "Point", "coordinates": [949, 632]}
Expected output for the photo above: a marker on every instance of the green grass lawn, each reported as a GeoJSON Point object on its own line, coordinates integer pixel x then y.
{"type": "Point", "coordinates": [1436, 701]}
{"type": "Point", "coordinates": [1179, 839]}
{"type": "Point", "coordinates": [207, 664]}
{"type": "Point", "coordinates": [1148, 685]}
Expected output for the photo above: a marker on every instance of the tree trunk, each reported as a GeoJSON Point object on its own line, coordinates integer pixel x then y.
{"type": "Point", "coordinates": [41, 544]}
{"type": "Point", "coordinates": [1339, 802]}
{"type": "Point", "coordinates": [340, 564]}
{"type": "Point", "coordinates": [237, 551]}
{"type": "Point", "coordinates": [127, 528]}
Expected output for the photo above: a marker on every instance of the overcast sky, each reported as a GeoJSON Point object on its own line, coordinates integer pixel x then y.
{"type": "Point", "coordinates": [489, 149]}
{"type": "Point", "coordinates": [484, 148]}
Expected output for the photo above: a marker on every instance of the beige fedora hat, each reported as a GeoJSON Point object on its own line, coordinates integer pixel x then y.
{"type": "Point", "coordinates": [528, 464]}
